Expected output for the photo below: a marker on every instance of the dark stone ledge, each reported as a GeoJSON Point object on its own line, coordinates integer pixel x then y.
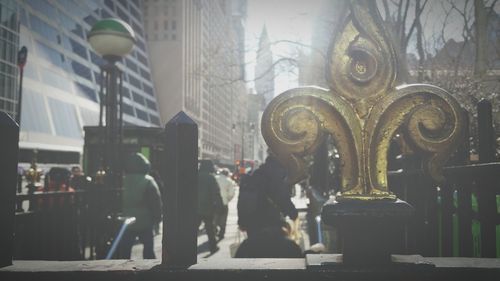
{"type": "Point", "coordinates": [251, 269]}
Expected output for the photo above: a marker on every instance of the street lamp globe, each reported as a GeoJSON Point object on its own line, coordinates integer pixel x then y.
{"type": "Point", "coordinates": [111, 38]}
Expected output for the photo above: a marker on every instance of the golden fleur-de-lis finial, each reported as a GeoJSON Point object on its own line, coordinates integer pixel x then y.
{"type": "Point", "coordinates": [362, 111]}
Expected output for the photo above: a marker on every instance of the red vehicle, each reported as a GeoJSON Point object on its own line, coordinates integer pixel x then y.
{"type": "Point", "coordinates": [243, 168]}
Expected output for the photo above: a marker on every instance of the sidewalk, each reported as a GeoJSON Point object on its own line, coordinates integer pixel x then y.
{"type": "Point", "coordinates": [231, 235]}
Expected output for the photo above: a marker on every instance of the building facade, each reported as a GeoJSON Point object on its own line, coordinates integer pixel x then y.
{"type": "Point", "coordinates": [264, 69]}
{"type": "Point", "coordinates": [200, 70]}
{"type": "Point", "coordinates": [62, 75]}
{"type": "Point", "coordinates": [256, 147]}
{"type": "Point", "coordinates": [9, 40]}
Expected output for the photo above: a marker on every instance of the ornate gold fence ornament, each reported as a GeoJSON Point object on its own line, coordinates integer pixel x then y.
{"type": "Point", "coordinates": [362, 111]}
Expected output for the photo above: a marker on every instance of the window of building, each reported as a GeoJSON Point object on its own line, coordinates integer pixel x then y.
{"type": "Point", "coordinates": [109, 4]}
{"type": "Point", "coordinates": [135, 13]}
{"type": "Point", "coordinates": [44, 29]}
{"type": "Point", "coordinates": [155, 25]}
{"type": "Point", "coordinates": [64, 119]}
{"type": "Point", "coordinates": [126, 92]}
{"type": "Point", "coordinates": [141, 115]}
{"type": "Point", "coordinates": [138, 98]}
{"type": "Point", "coordinates": [145, 74]}
{"type": "Point", "coordinates": [155, 120]}
{"type": "Point", "coordinates": [49, 54]}
{"type": "Point", "coordinates": [89, 117]}
{"type": "Point", "coordinates": [142, 58]}
{"type": "Point", "coordinates": [136, 3]}
{"type": "Point", "coordinates": [69, 24]}
{"type": "Point", "coordinates": [134, 81]}
{"type": "Point", "coordinates": [105, 14]}
{"type": "Point", "coordinates": [42, 6]}
{"type": "Point", "coordinates": [90, 19]}
{"type": "Point", "coordinates": [122, 14]}
{"type": "Point", "coordinates": [85, 91]}
{"type": "Point", "coordinates": [124, 3]}
{"type": "Point", "coordinates": [131, 65]}
{"type": "Point", "coordinates": [97, 77]}
{"type": "Point", "coordinates": [147, 89]}
{"type": "Point", "coordinates": [141, 45]}
{"type": "Point", "coordinates": [35, 117]}
{"type": "Point", "coordinates": [81, 70]}
{"type": "Point", "coordinates": [96, 59]}
{"type": "Point", "coordinates": [165, 24]}
{"type": "Point", "coordinates": [127, 109]}
{"type": "Point", "coordinates": [55, 80]}
{"type": "Point", "coordinates": [151, 104]}
{"type": "Point", "coordinates": [78, 49]}
{"type": "Point", "coordinates": [174, 37]}
{"type": "Point", "coordinates": [174, 25]}
{"type": "Point", "coordinates": [137, 28]}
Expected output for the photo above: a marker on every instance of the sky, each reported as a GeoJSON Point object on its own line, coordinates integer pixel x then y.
{"type": "Point", "coordinates": [284, 20]}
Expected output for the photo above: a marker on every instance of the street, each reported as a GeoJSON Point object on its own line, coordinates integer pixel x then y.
{"type": "Point", "coordinates": [232, 234]}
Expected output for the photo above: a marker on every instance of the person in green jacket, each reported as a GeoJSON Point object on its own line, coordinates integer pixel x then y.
{"type": "Point", "coordinates": [209, 201]}
{"type": "Point", "coordinates": [141, 199]}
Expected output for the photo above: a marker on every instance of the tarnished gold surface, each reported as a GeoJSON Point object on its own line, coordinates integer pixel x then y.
{"type": "Point", "coordinates": [362, 112]}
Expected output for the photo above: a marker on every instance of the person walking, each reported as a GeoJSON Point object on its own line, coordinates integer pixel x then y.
{"type": "Point", "coordinates": [263, 203]}
{"type": "Point", "coordinates": [209, 201]}
{"type": "Point", "coordinates": [141, 199]}
{"type": "Point", "coordinates": [227, 186]}
{"type": "Point", "coordinates": [78, 180]}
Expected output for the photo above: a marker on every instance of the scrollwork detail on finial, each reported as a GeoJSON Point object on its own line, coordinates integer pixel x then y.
{"type": "Point", "coordinates": [296, 122]}
{"type": "Point", "coordinates": [362, 112]}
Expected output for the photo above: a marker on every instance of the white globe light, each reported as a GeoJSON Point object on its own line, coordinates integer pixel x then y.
{"type": "Point", "coordinates": [111, 37]}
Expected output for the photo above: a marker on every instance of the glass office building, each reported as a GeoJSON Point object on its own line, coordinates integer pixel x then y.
{"type": "Point", "coordinates": [61, 77]}
{"type": "Point", "coordinates": [9, 38]}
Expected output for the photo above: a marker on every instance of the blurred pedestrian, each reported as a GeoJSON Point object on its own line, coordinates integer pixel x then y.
{"type": "Point", "coordinates": [209, 201]}
{"type": "Point", "coordinates": [263, 203]}
{"type": "Point", "coordinates": [264, 198]}
{"type": "Point", "coordinates": [141, 199]}
{"type": "Point", "coordinates": [227, 186]}
{"type": "Point", "coordinates": [78, 180]}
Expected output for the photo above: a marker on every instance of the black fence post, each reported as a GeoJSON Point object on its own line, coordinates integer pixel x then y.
{"type": "Point", "coordinates": [180, 196]}
{"type": "Point", "coordinates": [485, 185]}
{"type": "Point", "coordinates": [9, 148]}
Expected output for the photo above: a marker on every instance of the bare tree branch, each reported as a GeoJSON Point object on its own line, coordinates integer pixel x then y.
{"type": "Point", "coordinates": [419, 11]}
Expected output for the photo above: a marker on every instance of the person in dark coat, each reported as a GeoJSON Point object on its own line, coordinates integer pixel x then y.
{"type": "Point", "coordinates": [274, 202]}
{"type": "Point", "coordinates": [266, 226]}
{"type": "Point", "coordinates": [209, 201]}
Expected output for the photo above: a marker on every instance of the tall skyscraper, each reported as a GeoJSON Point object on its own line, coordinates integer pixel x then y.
{"type": "Point", "coordinates": [200, 70]}
{"type": "Point", "coordinates": [62, 75]}
{"type": "Point", "coordinates": [9, 38]}
{"type": "Point", "coordinates": [264, 71]}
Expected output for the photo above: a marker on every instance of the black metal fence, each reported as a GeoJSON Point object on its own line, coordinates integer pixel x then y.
{"type": "Point", "coordinates": [459, 217]}
{"type": "Point", "coordinates": [456, 218]}
{"type": "Point", "coordinates": [63, 225]}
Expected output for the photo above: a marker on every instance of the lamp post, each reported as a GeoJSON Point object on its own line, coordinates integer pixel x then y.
{"type": "Point", "coordinates": [22, 57]}
{"type": "Point", "coordinates": [112, 39]}
{"type": "Point", "coordinates": [252, 128]}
